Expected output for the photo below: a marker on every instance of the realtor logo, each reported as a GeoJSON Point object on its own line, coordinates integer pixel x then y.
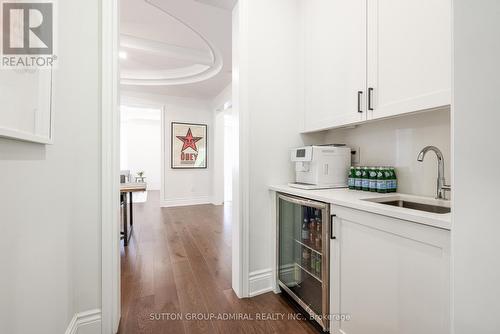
{"type": "Point", "coordinates": [27, 34]}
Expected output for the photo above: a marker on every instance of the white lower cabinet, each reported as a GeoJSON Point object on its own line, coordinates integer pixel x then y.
{"type": "Point", "coordinates": [388, 276]}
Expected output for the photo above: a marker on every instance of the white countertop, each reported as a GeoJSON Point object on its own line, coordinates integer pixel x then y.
{"type": "Point", "coordinates": [355, 199]}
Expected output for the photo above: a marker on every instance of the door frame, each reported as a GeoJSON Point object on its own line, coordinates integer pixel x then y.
{"type": "Point", "coordinates": [110, 171]}
{"type": "Point", "coordinates": [110, 168]}
{"type": "Point", "coordinates": [241, 174]}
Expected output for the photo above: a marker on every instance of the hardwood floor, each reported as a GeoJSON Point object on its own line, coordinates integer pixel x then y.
{"type": "Point", "coordinates": [176, 277]}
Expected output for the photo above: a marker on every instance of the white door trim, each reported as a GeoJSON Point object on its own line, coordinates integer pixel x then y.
{"type": "Point", "coordinates": [241, 173]}
{"type": "Point", "coordinates": [110, 168]}
{"type": "Point", "coordinates": [162, 154]}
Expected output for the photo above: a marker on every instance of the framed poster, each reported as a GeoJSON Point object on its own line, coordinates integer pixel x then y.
{"type": "Point", "coordinates": [26, 105]}
{"type": "Point", "coordinates": [189, 145]}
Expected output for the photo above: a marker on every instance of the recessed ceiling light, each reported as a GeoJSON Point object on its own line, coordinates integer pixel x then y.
{"type": "Point", "coordinates": [122, 55]}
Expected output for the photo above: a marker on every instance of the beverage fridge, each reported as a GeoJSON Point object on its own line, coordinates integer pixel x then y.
{"type": "Point", "coordinates": [303, 238]}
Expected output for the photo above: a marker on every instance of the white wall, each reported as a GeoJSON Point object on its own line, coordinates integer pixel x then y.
{"type": "Point", "coordinates": [140, 144]}
{"type": "Point", "coordinates": [476, 119]}
{"type": "Point", "coordinates": [183, 186]}
{"type": "Point", "coordinates": [180, 186]}
{"type": "Point", "coordinates": [218, 156]}
{"type": "Point", "coordinates": [397, 142]}
{"type": "Point", "coordinates": [267, 104]}
{"type": "Point", "coordinates": [219, 104]}
{"type": "Point", "coordinates": [225, 97]}
{"type": "Point", "coordinates": [50, 199]}
{"type": "Point", "coordinates": [228, 155]}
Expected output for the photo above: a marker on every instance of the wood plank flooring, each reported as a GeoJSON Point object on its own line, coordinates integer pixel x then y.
{"type": "Point", "coordinates": [176, 277]}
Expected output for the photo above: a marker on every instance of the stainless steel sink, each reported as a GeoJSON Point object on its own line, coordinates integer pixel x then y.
{"type": "Point", "coordinates": [414, 203]}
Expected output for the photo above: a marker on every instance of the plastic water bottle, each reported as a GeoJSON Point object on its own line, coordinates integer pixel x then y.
{"type": "Point", "coordinates": [394, 180]}
{"type": "Point", "coordinates": [373, 179]}
{"type": "Point", "coordinates": [381, 181]}
{"type": "Point", "coordinates": [352, 177]}
{"type": "Point", "coordinates": [365, 179]}
{"type": "Point", "coordinates": [388, 179]}
{"type": "Point", "coordinates": [358, 179]}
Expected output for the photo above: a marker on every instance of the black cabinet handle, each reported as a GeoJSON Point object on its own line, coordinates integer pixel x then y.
{"type": "Point", "coordinates": [331, 228]}
{"type": "Point", "coordinates": [360, 93]}
{"type": "Point", "coordinates": [370, 91]}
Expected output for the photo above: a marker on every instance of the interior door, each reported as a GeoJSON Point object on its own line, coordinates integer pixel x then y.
{"type": "Point", "coordinates": [409, 55]}
{"type": "Point", "coordinates": [335, 63]}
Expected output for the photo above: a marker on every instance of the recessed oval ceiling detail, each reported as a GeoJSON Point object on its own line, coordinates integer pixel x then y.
{"type": "Point", "coordinates": [197, 65]}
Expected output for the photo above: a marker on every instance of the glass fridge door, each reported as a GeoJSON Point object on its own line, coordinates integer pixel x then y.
{"type": "Point", "coordinates": [303, 227]}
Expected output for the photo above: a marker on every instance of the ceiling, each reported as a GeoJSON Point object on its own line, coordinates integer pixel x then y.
{"type": "Point", "coordinates": [224, 4]}
{"type": "Point", "coordinates": [176, 47]}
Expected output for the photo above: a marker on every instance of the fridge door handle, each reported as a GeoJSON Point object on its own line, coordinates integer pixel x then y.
{"type": "Point", "coordinates": [303, 201]}
{"type": "Point", "coordinates": [332, 232]}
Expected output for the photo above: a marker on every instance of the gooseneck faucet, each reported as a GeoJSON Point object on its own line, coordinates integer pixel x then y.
{"type": "Point", "coordinates": [441, 184]}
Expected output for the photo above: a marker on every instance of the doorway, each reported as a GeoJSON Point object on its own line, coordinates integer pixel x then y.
{"type": "Point", "coordinates": [142, 79]}
{"type": "Point", "coordinates": [140, 147]}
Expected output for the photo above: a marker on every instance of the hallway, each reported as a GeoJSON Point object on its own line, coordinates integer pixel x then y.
{"type": "Point", "coordinates": [178, 266]}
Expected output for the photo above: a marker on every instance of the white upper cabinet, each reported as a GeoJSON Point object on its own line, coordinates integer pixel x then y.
{"type": "Point", "coordinates": [394, 55]}
{"type": "Point", "coordinates": [335, 62]}
{"type": "Point", "coordinates": [409, 55]}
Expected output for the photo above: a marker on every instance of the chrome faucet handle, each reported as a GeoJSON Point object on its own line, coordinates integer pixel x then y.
{"type": "Point", "coordinates": [444, 189]}
{"type": "Point", "coordinates": [441, 186]}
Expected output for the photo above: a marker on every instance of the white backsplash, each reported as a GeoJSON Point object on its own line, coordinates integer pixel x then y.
{"type": "Point", "coordinates": [396, 142]}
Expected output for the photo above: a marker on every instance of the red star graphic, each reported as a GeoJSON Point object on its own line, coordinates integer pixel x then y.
{"type": "Point", "coordinates": [189, 141]}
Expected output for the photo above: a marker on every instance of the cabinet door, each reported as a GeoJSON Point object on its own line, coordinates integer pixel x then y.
{"type": "Point", "coordinates": [335, 62]}
{"type": "Point", "coordinates": [393, 276]}
{"type": "Point", "coordinates": [409, 55]}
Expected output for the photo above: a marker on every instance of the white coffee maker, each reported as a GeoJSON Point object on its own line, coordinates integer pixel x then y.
{"type": "Point", "coordinates": [321, 167]}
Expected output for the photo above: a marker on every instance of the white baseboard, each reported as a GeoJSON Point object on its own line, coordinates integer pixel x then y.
{"type": "Point", "coordinates": [166, 203]}
{"type": "Point", "coordinates": [88, 322]}
{"type": "Point", "coordinates": [260, 281]}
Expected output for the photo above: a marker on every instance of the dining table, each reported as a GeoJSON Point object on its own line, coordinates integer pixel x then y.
{"type": "Point", "coordinates": [128, 189]}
